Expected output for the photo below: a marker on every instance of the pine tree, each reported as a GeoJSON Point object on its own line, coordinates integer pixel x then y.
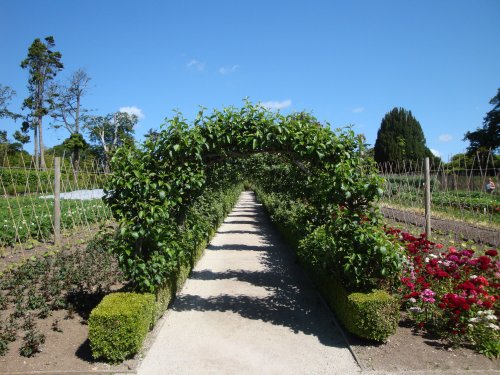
{"type": "Point", "coordinates": [43, 65]}
{"type": "Point", "coordinates": [400, 137]}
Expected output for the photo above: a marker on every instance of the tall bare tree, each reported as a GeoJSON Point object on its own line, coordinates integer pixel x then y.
{"type": "Point", "coordinates": [6, 95]}
{"type": "Point", "coordinates": [43, 64]}
{"type": "Point", "coordinates": [111, 131]}
{"type": "Point", "coordinates": [67, 111]}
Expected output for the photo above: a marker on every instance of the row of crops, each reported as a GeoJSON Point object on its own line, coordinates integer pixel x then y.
{"type": "Point", "coordinates": [27, 202]}
{"type": "Point", "coordinates": [31, 218]}
{"type": "Point", "coordinates": [470, 205]}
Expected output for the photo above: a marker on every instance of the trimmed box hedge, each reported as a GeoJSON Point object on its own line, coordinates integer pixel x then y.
{"type": "Point", "coordinates": [373, 316]}
{"type": "Point", "coordinates": [119, 325]}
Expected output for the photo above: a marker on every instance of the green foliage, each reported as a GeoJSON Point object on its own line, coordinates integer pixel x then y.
{"type": "Point", "coordinates": [360, 255]}
{"type": "Point", "coordinates": [162, 192]}
{"type": "Point", "coordinates": [372, 315]}
{"type": "Point", "coordinates": [75, 142]}
{"type": "Point", "coordinates": [490, 349]}
{"type": "Point", "coordinates": [400, 137]}
{"type": "Point", "coordinates": [488, 137]}
{"type": "Point", "coordinates": [118, 326]}
{"type": "Point", "coordinates": [335, 270]}
{"type": "Point", "coordinates": [6, 95]}
{"type": "Point", "coordinates": [43, 64]}
{"type": "Point", "coordinates": [32, 342]}
{"type": "Point", "coordinates": [110, 132]}
{"type": "Point", "coordinates": [72, 280]}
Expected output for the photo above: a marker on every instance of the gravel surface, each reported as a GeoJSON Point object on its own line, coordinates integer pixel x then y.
{"type": "Point", "coordinates": [248, 308]}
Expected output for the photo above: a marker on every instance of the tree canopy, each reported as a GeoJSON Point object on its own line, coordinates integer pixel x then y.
{"type": "Point", "coordinates": [6, 95]}
{"type": "Point", "coordinates": [400, 137]}
{"type": "Point", "coordinates": [43, 65]}
{"type": "Point", "coordinates": [488, 136]}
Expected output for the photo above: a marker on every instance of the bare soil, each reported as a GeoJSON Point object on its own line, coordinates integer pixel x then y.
{"type": "Point", "coordinates": [461, 230]}
{"type": "Point", "coordinates": [66, 351]}
{"type": "Point", "coordinates": [416, 351]}
{"type": "Point", "coordinates": [66, 347]}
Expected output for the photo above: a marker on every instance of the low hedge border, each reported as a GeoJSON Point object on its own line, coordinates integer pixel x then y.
{"type": "Point", "coordinates": [372, 316]}
{"type": "Point", "coordinates": [119, 324]}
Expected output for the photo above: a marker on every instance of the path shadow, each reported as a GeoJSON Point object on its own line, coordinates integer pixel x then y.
{"type": "Point", "coordinates": [240, 231]}
{"type": "Point", "coordinates": [237, 222]}
{"type": "Point", "coordinates": [292, 300]}
{"type": "Point", "coordinates": [236, 247]}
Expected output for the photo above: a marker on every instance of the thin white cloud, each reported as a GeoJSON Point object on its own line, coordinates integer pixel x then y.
{"type": "Point", "coordinates": [358, 109]}
{"type": "Point", "coordinates": [445, 137]}
{"type": "Point", "coordinates": [228, 70]}
{"type": "Point", "coordinates": [196, 65]}
{"type": "Point", "coordinates": [276, 105]}
{"type": "Point", "coordinates": [133, 110]}
{"type": "Point", "coordinates": [435, 152]}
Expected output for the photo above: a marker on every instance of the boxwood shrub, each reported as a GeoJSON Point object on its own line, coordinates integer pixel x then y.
{"type": "Point", "coordinates": [372, 316]}
{"type": "Point", "coordinates": [119, 324]}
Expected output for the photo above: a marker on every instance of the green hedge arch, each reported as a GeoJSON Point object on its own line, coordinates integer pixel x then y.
{"type": "Point", "coordinates": [154, 188]}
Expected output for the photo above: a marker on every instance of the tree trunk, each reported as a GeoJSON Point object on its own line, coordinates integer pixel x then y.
{"type": "Point", "coordinates": [43, 166]}
{"type": "Point", "coordinates": [77, 115]}
{"type": "Point", "coordinates": [106, 162]}
{"type": "Point", "coordinates": [35, 152]}
{"type": "Point", "coordinates": [76, 165]}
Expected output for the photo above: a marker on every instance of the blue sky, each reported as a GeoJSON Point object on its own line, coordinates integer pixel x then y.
{"type": "Point", "coordinates": [348, 62]}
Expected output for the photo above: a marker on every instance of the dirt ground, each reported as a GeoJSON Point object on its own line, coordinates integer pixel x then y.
{"type": "Point", "coordinates": [459, 229]}
{"type": "Point", "coordinates": [409, 350]}
{"type": "Point", "coordinates": [66, 351]}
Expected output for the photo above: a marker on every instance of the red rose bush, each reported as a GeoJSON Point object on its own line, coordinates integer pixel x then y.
{"type": "Point", "coordinates": [452, 292]}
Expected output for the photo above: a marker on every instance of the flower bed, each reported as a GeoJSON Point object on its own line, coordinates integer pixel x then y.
{"type": "Point", "coordinates": [452, 292]}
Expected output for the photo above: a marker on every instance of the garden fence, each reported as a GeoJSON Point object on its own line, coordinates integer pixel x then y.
{"type": "Point", "coordinates": [28, 210]}
{"type": "Point", "coordinates": [458, 193]}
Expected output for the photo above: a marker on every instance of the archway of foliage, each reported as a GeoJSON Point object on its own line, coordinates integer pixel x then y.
{"type": "Point", "coordinates": [157, 190]}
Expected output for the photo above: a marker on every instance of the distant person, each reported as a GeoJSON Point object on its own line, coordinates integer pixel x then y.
{"type": "Point", "coordinates": [490, 186]}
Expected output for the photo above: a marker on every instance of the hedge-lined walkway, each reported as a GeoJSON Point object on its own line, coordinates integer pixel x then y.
{"type": "Point", "coordinates": [248, 309]}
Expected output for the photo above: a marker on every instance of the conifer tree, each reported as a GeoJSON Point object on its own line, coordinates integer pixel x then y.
{"type": "Point", "coordinates": [400, 137]}
{"type": "Point", "coordinates": [43, 64]}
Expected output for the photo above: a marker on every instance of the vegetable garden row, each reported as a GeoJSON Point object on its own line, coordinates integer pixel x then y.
{"type": "Point", "coordinates": [408, 192]}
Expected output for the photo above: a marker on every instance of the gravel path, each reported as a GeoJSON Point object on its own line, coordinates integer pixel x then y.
{"type": "Point", "coordinates": [248, 308]}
